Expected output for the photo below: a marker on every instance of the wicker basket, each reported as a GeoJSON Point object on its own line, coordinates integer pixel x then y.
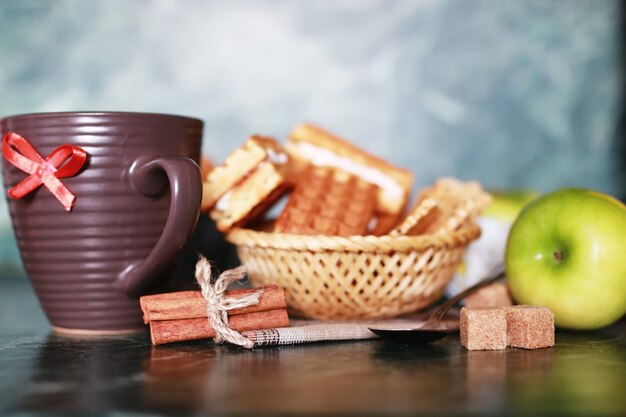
{"type": "Point", "coordinates": [328, 277]}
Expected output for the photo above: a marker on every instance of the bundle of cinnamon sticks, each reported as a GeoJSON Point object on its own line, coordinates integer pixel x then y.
{"type": "Point", "coordinates": [181, 316]}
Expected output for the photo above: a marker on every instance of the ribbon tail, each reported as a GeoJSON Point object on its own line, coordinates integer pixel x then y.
{"type": "Point", "coordinates": [61, 192]}
{"type": "Point", "coordinates": [24, 187]}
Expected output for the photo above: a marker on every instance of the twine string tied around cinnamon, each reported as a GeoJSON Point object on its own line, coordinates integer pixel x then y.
{"type": "Point", "coordinates": [218, 304]}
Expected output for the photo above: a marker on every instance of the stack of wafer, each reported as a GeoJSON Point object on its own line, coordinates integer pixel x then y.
{"type": "Point", "coordinates": [251, 179]}
{"type": "Point", "coordinates": [444, 208]}
{"type": "Point", "coordinates": [310, 145]}
{"type": "Point", "coordinates": [336, 189]}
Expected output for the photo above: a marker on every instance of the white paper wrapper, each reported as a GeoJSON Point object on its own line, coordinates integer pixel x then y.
{"type": "Point", "coordinates": [483, 256]}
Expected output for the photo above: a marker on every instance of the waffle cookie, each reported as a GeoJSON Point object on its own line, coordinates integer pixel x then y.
{"type": "Point", "coordinates": [328, 202]}
{"type": "Point", "coordinates": [252, 178]}
{"type": "Point", "coordinates": [309, 144]}
{"type": "Point", "coordinates": [418, 219]}
{"type": "Point", "coordinates": [444, 207]}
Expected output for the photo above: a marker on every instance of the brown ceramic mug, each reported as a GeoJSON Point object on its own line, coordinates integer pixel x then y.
{"type": "Point", "coordinates": [137, 202]}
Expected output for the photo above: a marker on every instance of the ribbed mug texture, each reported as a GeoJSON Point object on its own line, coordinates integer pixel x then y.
{"type": "Point", "coordinates": [74, 259]}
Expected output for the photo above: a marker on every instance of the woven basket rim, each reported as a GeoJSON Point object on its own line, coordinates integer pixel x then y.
{"type": "Point", "coordinates": [368, 244]}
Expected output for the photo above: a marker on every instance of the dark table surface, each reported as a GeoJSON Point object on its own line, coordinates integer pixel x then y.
{"type": "Point", "coordinates": [41, 373]}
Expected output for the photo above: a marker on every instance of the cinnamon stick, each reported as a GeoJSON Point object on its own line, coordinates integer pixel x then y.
{"type": "Point", "coordinates": [169, 331]}
{"type": "Point", "coordinates": [191, 304]}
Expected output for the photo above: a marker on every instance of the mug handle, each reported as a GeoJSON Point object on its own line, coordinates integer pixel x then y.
{"type": "Point", "coordinates": [185, 183]}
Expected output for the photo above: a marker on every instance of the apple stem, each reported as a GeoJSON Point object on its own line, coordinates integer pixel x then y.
{"type": "Point", "coordinates": [558, 255]}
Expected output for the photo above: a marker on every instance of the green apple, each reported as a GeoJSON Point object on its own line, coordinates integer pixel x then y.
{"type": "Point", "coordinates": [566, 251]}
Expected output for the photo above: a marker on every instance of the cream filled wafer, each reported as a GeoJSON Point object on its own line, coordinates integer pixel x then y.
{"type": "Point", "coordinates": [328, 202]}
{"type": "Point", "coordinates": [250, 180]}
{"type": "Point", "coordinates": [309, 144]}
{"type": "Point", "coordinates": [444, 207]}
{"type": "Point", "coordinates": [250, 198]}
{"type": "Point", "coordinates": [239, 165]}
{"type": "Point", "coordinates": [420, 218]}
{"type": "Point", "coordinates": [459, 201]}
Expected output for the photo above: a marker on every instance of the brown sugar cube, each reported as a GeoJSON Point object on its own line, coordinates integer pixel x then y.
{"type": "Point", "coordinates": [529, 327]}
{"type": "Point", "coordinates": [483, 328]}
{"type": "Point", "coordinates": [494, 295]}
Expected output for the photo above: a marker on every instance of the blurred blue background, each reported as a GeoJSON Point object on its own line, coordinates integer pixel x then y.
{"type": "Point", "coordinates": [512, 93]}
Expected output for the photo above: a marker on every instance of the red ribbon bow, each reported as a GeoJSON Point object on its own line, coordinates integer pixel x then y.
{"type": "Point", "coordinates": [19, 152]}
